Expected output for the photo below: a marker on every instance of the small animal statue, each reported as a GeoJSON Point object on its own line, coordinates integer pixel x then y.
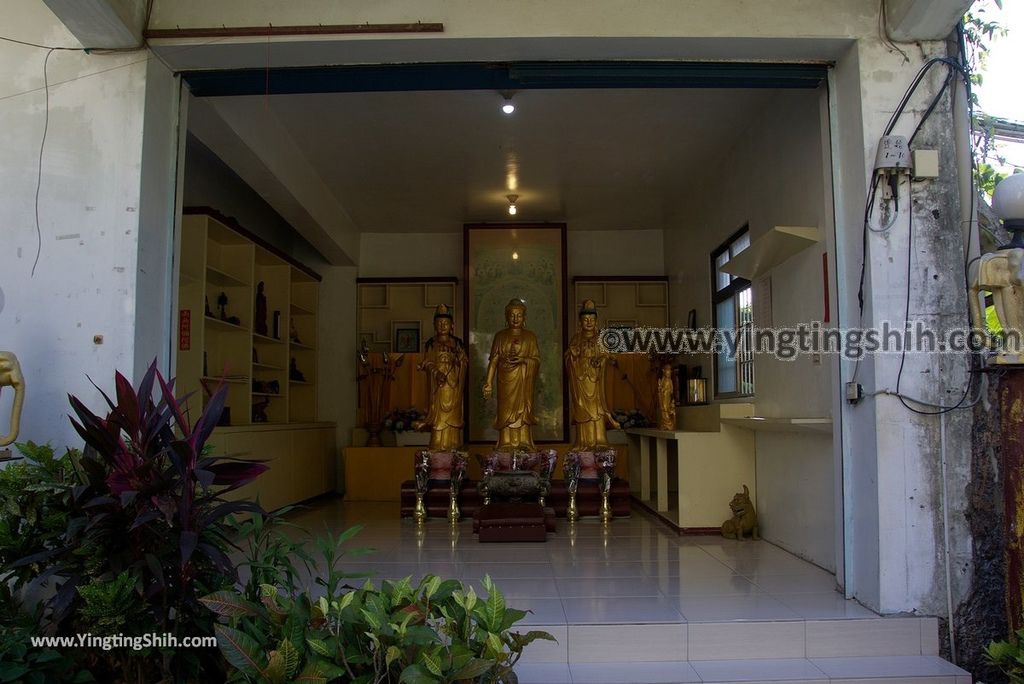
{"type": "Point", "coordinates": [1002, 274]}
{"type": "Point", "coordinates": [744, 519]}
{"type": "Point", "coordinates": [10, 376]}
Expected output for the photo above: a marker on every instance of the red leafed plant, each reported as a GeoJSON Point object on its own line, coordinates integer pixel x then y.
{"type": "Point", "coordinates": [150, 504]}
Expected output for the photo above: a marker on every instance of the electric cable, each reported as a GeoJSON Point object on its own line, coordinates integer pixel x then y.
{"type": "Point", "coordinates": [883, 31]}
{"type": "Point", "coordinates": [39, 166]}
{"type": "Point", "coordinates": [903, 352]}
{"type": "Point", "coordinates": [954, 68]}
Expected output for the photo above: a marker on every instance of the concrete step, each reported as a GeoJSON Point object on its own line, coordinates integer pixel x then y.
{"type": "Point", "coordinates": [735, 640]}
{"type": "Point", "coordinates": [859, 670]}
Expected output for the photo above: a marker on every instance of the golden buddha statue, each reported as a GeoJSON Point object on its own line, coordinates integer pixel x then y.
{"type": "Point", "coordinates": [514, 362]}
{"type": "Point", "coordinates": [445, 363]}
{"type": "Point", "coordinates": [666, 400]}
{"type": "Point", "coordinates": [585, 362]}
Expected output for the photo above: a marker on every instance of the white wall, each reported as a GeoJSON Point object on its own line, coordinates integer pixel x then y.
{"type": "Point", "coordinates": [155, 325]}
{"type": "Point", "coordinates": [336, 393]}
{"type": "Point", "coordinates": [85, 282]}
{"type": "Point", "coordinates": [772, 176]}
{"type": "Point", "coordinates": [599, 252]}
{"type": "Point", "coordinates": [422, 255]}
{"type": "Point", "coordinates": [615, 253]}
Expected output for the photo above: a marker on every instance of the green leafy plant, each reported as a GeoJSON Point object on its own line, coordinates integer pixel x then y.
{"type": "Point", "coordinates": [19, 660]}
{"type": "Point", "coordinates": [980, 29]}
{"type": "Point", "coordinates": [274, 552]}
{"type": "Point", "coordinates": [436, 631]}
{"type": "Point", "coordinates": [107, 606]}
{"type": "Point", "coordinates": [1008, 656]}
{"type": "Point", "coordinates": [133, 530]}
{"type": "Point", "coordinates": [36, 498]}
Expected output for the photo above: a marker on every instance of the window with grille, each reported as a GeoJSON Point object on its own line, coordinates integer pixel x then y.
{"type": "Point", "coordinates": [732, 309]}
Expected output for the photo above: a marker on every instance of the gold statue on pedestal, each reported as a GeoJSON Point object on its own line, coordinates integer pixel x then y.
{"type": "Point", "coordinates": [585, 362]}
{"type": "Point", "coordinates": [666, 401]}
{"type": "Point", "coordinates": [514, 362]}
{"type": "Point", "coordinates": [445, 363]}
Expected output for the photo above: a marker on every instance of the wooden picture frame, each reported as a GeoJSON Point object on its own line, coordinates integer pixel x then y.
{"type": "Point", "coordinates": [405, 337]}
{"type": "Point", "coordinates": [525, 261]}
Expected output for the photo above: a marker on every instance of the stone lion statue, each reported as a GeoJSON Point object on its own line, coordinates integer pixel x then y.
{"type": "Point", "coordinates": [743, 522]}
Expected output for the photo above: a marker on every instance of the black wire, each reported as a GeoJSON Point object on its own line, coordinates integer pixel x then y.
{"type": "Point", "coordinates": [868, 206]}
{"type": "Point", "coordinates": [931, 107]}
{"type": "Point", "coordinates": [906, 319]}
{"type": "Point", "coordinates": [39, 170]}
{"type": "Point", "coordinates": [968, 89]}
{"type": "Point", "coordinates": [42, 47]}
{"type": "Point", "coordinates": [50, 49]}
{"type": "Point", "coordinates": [922, 72]}
{"type": "Point", "coordinates": [954, 69]}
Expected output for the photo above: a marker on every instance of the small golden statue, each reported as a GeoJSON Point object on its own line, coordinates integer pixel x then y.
{"type": "Point", "coordinates": [744, 518]}
{"type": "Point", "coordinates": [445, 363]}
{"type": "Point", "coordinates": [666, 402]}
{"type": "Point", "coordinates": [514, 362]}
{"type": "Point", "coordinates": [10, 376]}
{"type": "Point", "coordinates": [585, 362]}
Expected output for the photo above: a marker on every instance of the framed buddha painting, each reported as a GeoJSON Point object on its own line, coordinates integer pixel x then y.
{"type": "Point", "coordinates": [505, 262]}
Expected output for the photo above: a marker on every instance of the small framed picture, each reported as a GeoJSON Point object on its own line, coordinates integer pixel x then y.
{"type": "Point", "coordinates": [405, 336]}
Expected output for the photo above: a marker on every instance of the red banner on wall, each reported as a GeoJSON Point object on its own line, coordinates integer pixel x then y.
{"type": "Point", "coordinates": [185, 330]}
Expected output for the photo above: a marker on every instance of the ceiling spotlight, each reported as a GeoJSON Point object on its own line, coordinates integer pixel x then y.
{"type": "Point", "coordinates": [515, 256]}
{"type": "Point", "coordinates": [507, 106]}
{"type": "Point", "coordinates": [512, 204]}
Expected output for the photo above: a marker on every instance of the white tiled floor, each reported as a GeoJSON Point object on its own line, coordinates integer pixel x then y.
{"type": "Point", "coordinates": [635, 603]}
{"type": "Point", "coordinates": [636, 571]}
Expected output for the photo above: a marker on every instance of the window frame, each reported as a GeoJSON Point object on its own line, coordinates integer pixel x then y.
{"type": "Point", "coordinates": [736, 286]}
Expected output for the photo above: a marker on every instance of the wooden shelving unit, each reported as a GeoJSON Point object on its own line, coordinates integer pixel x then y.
{"type": "Point", "coordinates": [229, 345]}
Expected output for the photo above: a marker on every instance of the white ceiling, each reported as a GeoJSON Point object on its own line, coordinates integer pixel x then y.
{"type": "Point", "coordinates": [432, 161]}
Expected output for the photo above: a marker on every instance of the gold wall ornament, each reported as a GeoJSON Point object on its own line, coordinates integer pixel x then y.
{"type": "Point", "coordinates": [445, 363]}
{"type": "Point", "coordinates": [585, 364]}
{"type": "Point", "coordinates": [10, 376]}
{"type": "Point", "coordinates": [513, 366]}
{"type": "Point", "coordinates": [666, 400]}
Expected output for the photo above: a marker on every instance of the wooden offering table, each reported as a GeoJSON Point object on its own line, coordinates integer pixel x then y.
{"type": "Point", "coordinates": [696, 470]}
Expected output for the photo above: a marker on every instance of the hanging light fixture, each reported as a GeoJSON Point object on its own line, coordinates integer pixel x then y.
{"type": "Point", "coordinates": [512, 204]}
{"type": "Point", "coordinates": [507, 105]}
